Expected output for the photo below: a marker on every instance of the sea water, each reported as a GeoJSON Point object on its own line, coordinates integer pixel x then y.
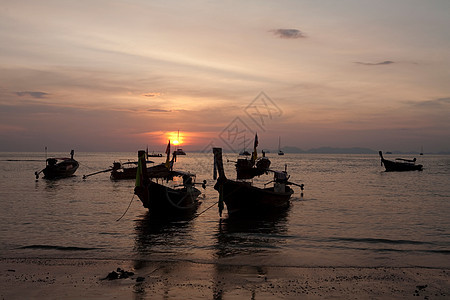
{"type": "Point", "coordinates": [351, 213]}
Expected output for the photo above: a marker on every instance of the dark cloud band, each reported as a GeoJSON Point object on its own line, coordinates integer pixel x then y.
{"type": "Point", "coordinates": [32, 94]}
{"type": "Point", "coordinates": [288, 33]}
{"type": "Point", "coordinates": [386, 62]}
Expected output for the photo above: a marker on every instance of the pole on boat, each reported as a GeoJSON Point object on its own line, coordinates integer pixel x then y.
{"type": "Point", "coordinates": [381, 155]}
{"type": "Point", "coordinates": [218, 163]}
{"type": "Point", "coordinates": [142, 178]}
{"type": "Point", "coordinates": [215, 169]}
{"type": "Point", "coordinates": [85, 176]}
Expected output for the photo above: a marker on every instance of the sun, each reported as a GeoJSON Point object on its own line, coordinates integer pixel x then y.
{"type": "Point", "coordinates": [175, 138]}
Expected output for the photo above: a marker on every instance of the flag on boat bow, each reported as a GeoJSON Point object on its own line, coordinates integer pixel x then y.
{"type": "Point", "coordinates": [168, 156]}
{"type": "Point", "coordinates": [255, 144]}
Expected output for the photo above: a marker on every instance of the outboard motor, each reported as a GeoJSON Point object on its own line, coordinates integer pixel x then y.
{"type": "Point", "coordinates": [51, 161]}
{"type": "Point", "coordinates": [280, 179]}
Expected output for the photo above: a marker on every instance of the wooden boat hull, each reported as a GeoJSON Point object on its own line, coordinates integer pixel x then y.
{"type": "Point", "coordinates": [243, 198]}
{"type": "Point", "coordinates": [392, 166]}
{"type": "Point", "coordinates": [63, 169]}
{"type": "Point", "coordinates": [163, 200]}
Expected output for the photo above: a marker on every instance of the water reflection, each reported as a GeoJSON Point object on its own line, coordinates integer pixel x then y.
{"type": "Point", "coordinates": [161, 247]}
{"type": "Point", "coordinates": [248, 241]}
{"type": "Point", "coordinates": [249, 235]}
{"type": "Point", "coordinates": [163, 236]}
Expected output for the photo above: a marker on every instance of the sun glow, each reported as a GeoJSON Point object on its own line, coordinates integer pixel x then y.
{"type": "Point", "coordinates": [175, 138]}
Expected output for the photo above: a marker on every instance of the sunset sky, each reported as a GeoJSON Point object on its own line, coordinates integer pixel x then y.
{"type": "Point", "coordinates": [108, 75]}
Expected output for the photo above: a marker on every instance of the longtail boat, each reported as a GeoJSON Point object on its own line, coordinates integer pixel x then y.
{"type": "Point", "coordinates": [243, 198]}
{"type": "Point", "coordinates": [162, 199]}
{"type": "Point", "coordinates": [59, 167]}
{"type": "Point", "coordinates": [124, 170]}
{"type": "Point", "coordinates": [400, 164]}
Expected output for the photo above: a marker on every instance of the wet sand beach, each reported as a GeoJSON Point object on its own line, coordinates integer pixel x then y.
{"type": "Point", "coordinates": [85, 279]}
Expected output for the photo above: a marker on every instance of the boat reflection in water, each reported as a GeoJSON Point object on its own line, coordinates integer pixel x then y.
{"type": "Point", "coordinates": [167, 237]}
{"type": "Point", "coordinates": [251, 235]}
{"type": "Point", "coordinates": [243, 251]}
{"type": "Point", "coordinates": [161, 249]}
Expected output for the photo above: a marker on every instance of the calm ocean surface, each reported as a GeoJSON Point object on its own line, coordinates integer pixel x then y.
{"type": "Point", "coordinates": [352, 213]}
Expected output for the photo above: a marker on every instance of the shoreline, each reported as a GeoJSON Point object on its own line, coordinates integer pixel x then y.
{"type": "Point", "coordinates": [36, 278]}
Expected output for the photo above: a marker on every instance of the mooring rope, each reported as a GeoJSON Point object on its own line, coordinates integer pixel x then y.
{"type": "Point", "coordinates": [197, 215]}
{"type": "Point", "coordinates": [126, 210]}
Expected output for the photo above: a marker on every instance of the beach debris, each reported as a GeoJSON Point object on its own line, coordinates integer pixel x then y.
{"type": "Point", "coordinates": [421, 287]}
{"type": "Point", "coordinates": [118, 274]}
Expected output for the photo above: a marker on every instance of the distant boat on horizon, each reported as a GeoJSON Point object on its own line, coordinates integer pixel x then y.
{"type": "Point", "coordinates": [153, 154]}
{"type": "Point", "coordinates": [244, 152]}
{"type": "Point", "coordinates": [280, 152]}
{"type": "Point", "coordinates": [179, 151]}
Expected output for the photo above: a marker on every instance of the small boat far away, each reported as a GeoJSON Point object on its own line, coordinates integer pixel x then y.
{"type": "Point", "coordinates": [153, 154]}
{"type": "Point", "coordinates": [244, 152]}
{"type": "Point", "coordinates": [179, 151]}
{"type": "Point", "coordinates": [400, 164]}
{"type": "Point", "coordinates": [59, 167]}
{"type": "Point", "coordinates": [280, 152]}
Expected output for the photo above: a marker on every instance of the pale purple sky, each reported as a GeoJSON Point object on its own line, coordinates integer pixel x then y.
{"type": "Point", "coordinates": [117, 75]}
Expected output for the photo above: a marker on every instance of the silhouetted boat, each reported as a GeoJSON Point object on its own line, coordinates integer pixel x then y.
{"type": "Point", "coordinates": [162, 199]}
{"type": "Point", "coordinates": [126, 170]}
{"type": "Point", "coordinates": [179, 151]}
{"type": "Point", "coordinates": [279, 147]}
{"type": "Point", "coordinates": [242, 198]}
{"type": "Point", "coordinates": [244, 152]}
{"type": "Point", "coordinates": [247, 168]}
{"type": "Point", "coordinates": [59, 167]}
{"type": "Point", "coordinates": [153, 154]}
{"type": "Point", "coordinates": [400, 164]}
